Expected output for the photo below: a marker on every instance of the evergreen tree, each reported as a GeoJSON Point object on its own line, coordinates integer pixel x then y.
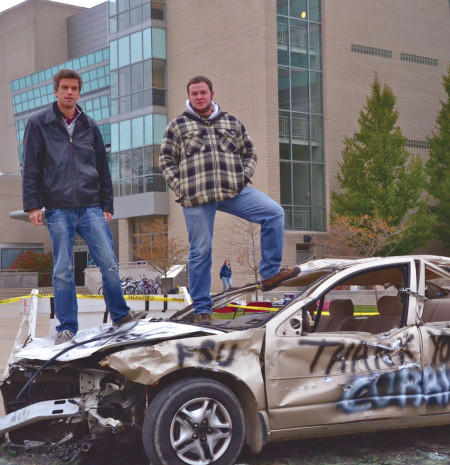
{"type": "Point", "coordinates": [379, 177]}
{"type": "Point", "coordinates": [438, 166]}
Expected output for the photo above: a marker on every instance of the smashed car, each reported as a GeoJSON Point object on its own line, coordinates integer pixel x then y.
{"type": "Point", "coordinates": [363, 345]}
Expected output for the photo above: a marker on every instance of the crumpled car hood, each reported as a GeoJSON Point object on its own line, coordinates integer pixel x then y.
{"type": "Point", "coordinates": [89, 341]}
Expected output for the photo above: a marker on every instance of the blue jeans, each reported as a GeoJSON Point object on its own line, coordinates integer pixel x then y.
{"type": "Point", "coordinates": [251, 205]}
{"type": "Point", "coordinates": [226, 281]}
{"type": "Point", "coordinates": [90, 224]}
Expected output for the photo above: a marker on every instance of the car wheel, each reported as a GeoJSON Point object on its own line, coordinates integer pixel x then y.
{"type": "Point", "coordinates": [197, 422]}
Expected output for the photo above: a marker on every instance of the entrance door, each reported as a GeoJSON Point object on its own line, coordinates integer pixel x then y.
{"type": "Point", "coordinates": [80, 262]}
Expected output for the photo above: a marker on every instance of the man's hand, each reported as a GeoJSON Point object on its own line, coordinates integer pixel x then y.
{"type": "Point", "coordinates": [107, 216]}
{"type": "Point", "coordinates": [35, 216]}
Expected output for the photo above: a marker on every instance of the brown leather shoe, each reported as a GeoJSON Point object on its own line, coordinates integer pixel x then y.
{"type": "Point", "coordinates": [203, 318]}
{"type": "Point", "coordinates": [284, 274]}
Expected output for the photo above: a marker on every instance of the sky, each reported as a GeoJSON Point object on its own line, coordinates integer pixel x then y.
{"type": "Point", "coordinates": [5, 4]}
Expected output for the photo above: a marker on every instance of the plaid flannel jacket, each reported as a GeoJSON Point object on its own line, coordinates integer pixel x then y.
{"type": "Point", "coordinates": [206, 161]}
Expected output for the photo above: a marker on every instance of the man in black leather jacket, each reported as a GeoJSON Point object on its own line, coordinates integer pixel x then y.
{"type": "Point", "coordinates": [65, 170]}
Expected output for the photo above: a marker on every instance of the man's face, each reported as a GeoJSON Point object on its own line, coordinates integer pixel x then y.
{"type": "Point", "coordinates": [68, 94]}
{"type": "Point", "coordinates": [200, 98]}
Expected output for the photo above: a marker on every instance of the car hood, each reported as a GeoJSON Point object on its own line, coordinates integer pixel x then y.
{"type": "Point", "coordinates": [105, 337]}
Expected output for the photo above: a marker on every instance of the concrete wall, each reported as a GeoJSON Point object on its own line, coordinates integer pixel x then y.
{"type": "Point", "coordinates": [32, 37]}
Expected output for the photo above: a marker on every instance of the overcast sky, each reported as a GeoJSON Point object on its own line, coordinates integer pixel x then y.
{"type": "Point", "coordinates": [5, 4]}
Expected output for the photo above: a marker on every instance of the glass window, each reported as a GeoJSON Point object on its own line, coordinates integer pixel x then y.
{"type": "Point", "coordinates": [137, 132]}
{"type": "Point", "coordinates": [136, 47]}
{"type": "Point", "coordinates": [114, 137]}
{"type": "Point", "coordinates": [159, 74]}
{"type": "Point", "coordinates": [283, 88]}
{"type": "Point", "coordinates": [298, 8]}
{"type": "Point", "coordinates": [113, 54]}
{"type": "Point", "coordinates": [314, 10]}
{"type": "Point", "coordinates": [283, 41]}
{"type": "Point", "coordinates": [317, 183]}
{"type": "Point", "coordinates": [317, 138]}
{"type": "Point", "coordinates": [124, 81]}
{"type": "Point", "coordinates": [148, 130]}
{"type": "Point", "coordinates": [123, 5]}
{"type": "Point", "coordinates": [124, 51]}
{"type": "Point", "coordinates": [159, 126]}
{"type": "Point", "coordinates": [282, 7]}
{"type": "Point", "coordinates": [316, 92]}
{"type": "Point", "coordinates": [301, 187]}
{"type": "Point", "coordinates": [136, 77]}
{"type": "Point", "coordinates": [299, 90]}
{"type": "Point", "coordinates": [112, 7]}
{"type": "Point", "coordinates": [125, 135]}
{"type": "Point", "coordinates": [147, 43]}
{"type": "Point", "coordinates": [113, 24]}
{"type": "Point", "coordinates": [285, 183]}
{"type": "Point", "coordinates": [315, 54]}
{"type": "Point", "coordinates": [148, 74]}
{"type": "Point", "coordinates": [298, 43]}
{"type": "Point", "coordinates": [159, 43]}
{"type": "Point", "coordinates": [123, 21]}
{"type": "Point", "coordinates": [136, 16]}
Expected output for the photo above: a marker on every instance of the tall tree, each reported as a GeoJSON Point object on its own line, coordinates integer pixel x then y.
{"type": "Point", "coordinates": [157, 249]}
{"type": "Point", "coordinates": [438, 166]}
{"type": "Point", "coordinates": [378, 176]}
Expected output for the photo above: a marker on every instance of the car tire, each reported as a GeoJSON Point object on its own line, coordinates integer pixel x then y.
{"type": "Point", "coordinates": [206, 413]}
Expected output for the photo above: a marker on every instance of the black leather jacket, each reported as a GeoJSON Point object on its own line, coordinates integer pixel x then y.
{"type": "Point", "coordinates": [60, 171]}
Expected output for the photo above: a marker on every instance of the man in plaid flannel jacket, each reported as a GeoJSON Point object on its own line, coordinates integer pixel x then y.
{"type": "Point", "coordinates": [207, 159]}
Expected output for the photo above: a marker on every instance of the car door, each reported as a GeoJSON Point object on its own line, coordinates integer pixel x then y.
{"type": "Point", "coordinates": [327, 378]}
{"type": "Point", "coordinates": [435, 334]}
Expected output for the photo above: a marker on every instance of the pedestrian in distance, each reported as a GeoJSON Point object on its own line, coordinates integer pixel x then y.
{"type": "Point", "coordinates": [207, 158]}
{"type": "Point", "coordinates": [65, 170]}
{"type": "Point", "coordinates": [225, 274]}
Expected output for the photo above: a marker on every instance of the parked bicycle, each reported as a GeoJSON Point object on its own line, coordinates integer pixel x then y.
{"type": "Point", "coordinates": [148, 286]}
{"type": "Point", "coordinates": [127, 284]}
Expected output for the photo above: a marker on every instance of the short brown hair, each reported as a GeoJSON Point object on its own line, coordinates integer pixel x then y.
{"type": "Point", "coordinates": [197, 79]}
{"type": "Point", "coordinates": [66, 74]}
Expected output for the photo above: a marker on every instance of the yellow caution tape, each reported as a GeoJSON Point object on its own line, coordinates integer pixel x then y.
{"type": "Point", "coordinates": [13, 299]}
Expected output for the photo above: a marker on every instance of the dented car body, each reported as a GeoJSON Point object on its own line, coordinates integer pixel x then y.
{"type": "Point", "coordinates": [194, 394]}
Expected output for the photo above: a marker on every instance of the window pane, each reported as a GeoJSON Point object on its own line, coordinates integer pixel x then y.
{"type": "Point", "coordinates": [283, 88]}
{"type": "Point", "coordinates": [301, 188]}
{"type": "Point", "coordinates": [318, 175]}
{"type": "Point", "coordinates": [148, 130]}
{"type": "Point", "coordinates": [297, 7]}
{"type": "Point", "coordinates": [159, 74]}
{"type": "Point", "coordinates": [137, 132]}
{"type": "Point", "coordinates": [316, 92]}
{"type": "Point", "coordinates": [136, 47]}
{"type": "Point", "coordinates": [282, 7]}
{"type": "Point", "coordinates": [159, 126]}
{"type": "Point", "coordinates": [284, 123]}
{"type": "Point", "coordinates": [314, 10]}
{"type": "Point", "coordinates": [282, 41]}
{"type": "Point", "coordinates": [137, 162]}
{"type": "Point", "coordinates": [148, 74]}
{"type": "Point", "coordinates": [114, 137]}
{"type": "Point", "coordinates": [285, 183]}
{"type": "Point", "coordinates": [136, 16]}
{"type": "Point", "coordinates": [124, 51]}
{"type": "Point", "coordinates": [147, 43]}
{"type": "Point", "coordinates": [125, 134]}
{"type": "Point", "coordinates": [124, 81]}
{"type": "Point", "coordinates": [317, 138]}
{"type": "Point", "coordinates": [159, 43]}
{"type": "Point", "coordinates": [299, 90]}
{"type": "Point", "coordinates": [315, 61]}
{"type": "Point", "coordinates": [136, 77]}
{"type": "Point", "coordinates": [299, 44]}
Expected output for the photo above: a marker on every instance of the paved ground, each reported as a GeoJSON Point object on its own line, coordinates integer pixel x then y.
{"type": "Point", "coordinates": [429, 446]}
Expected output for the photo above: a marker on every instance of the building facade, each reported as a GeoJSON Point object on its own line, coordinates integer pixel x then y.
{"type": "Point", "coordinates": [296, 72]}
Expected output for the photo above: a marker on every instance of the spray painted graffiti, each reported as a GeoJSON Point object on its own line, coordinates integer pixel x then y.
{"type": "Point", "coordinates": [346, 356]}
{"type": "Point", "coordinates": [208, 352]}
{"type": "Point", "coordinates": [441, 346]}
{"type": "Point", "coordinates": [404, 387]}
